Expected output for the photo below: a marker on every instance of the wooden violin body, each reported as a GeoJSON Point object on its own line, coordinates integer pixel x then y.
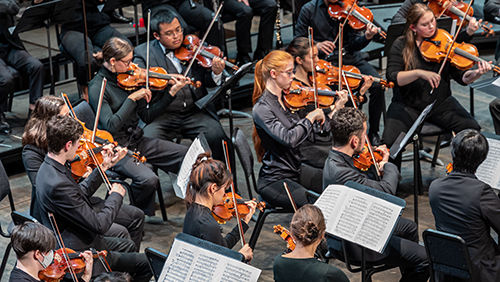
{"type": "Point", "coordinates": [363, 160]}
{"type": "Point", "coordinates": [224, 211]}
{"type": "Point", "coordinates": [299, 96]}
{"type": "Point", "coordinates": [285, 235]}
{"type": "Point", "coordinates": [357, 19]}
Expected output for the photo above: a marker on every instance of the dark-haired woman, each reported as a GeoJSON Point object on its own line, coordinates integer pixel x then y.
{"type": "Point", "coordinates": [207, 185]}
{"type": "Point", "coordinates": [308, 230]}
{"type": "Point", "coordinates": [414, 79]}
{"type": "Point", "coordinates": [120, 117]}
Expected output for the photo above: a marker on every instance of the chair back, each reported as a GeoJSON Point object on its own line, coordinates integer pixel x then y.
{"type": "Point", "coordinates": [85, 113]}
{"type": "Point", "coordinates": [156, 260]}
{"type": "Point", "coordinates": [448, 254]}
{"type": "Point", "coordinates": [245, 155]}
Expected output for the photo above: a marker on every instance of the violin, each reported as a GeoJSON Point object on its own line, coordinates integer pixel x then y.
{"type": "Point", "coordinates": [363, 160]}
{"type": "Point", "coordinates": [357, 17]}
{"type": "Point", "coordinates": [224, 211]}
{"type": "Point", "coordinates": [299, 96]}
{"type": "Point", "coordinates": [135, 77]}
{"type": "Point", "coordinates": [189, 45]}
{"type": "Point", "coordinates": [449, 168]}
{"type": "Point", "coordinates": [328, 74]}
{"type": "Point", "coordinates": [456, 10]}
{"type": "Point", "coordinates": [59, 267]}
{"type": "Point", "coordinates": [463, 55]}
{"type": "Point", "coordinates": [285, 235]}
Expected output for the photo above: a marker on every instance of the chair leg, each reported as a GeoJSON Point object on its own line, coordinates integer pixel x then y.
{"type": "Point", "coordinates": [4, 260]}
{"type": "Point", "coordinates": [436, 151]}
{"type": "Point", "coordinates": [162, 204]}
{"type": "Point", "coordinates": [258, 228]}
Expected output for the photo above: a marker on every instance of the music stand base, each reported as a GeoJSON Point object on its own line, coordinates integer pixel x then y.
{"type": "Point", "coordinates": [236, 114]}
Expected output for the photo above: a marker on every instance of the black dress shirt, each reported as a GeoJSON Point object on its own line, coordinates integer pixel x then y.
{"type": "Point", "coordinates": [417, 95]}
{"type": "Point", "coordinates": [315, 14]}
{"type": "Point", "coordinates": [307, 269]}
{"type": "Point", "coordinates": [339, 168]}
{"type": "Point", "coordinates": [281, 133]}
{"type": "Point", "coordinates": [199, 222]}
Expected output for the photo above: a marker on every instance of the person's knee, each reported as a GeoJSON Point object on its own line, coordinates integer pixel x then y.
{"type": "Point", "coordinates": [6, 83]}
{"type": "Point", "coordinates": [269, 7]}
{"type": "Point", "coordinates": [495, 106]}
{"type": "Point", "coordinates": [35, 67]}
{"type": "Point", "coordinates": [245, 13]}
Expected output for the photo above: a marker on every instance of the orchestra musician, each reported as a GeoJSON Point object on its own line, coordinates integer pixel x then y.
{"type": "Point", "coordinates": [414, 79]}
{"type": "Point", "coordinates": [315, 14]}
{"type": "Point", "coordinates": [208, 182]}
{"type": "Point", "coordinates": [308, 231]}
{"type": "Point", "coordinates": [34, 246]}
{"type": "Point", "coordinates": [120, 117]}
{"type": "Point", "coordinates": [349, 132]}
{"type": "Point", "coordinates": [278, 131]}
{"type": "Point", "coordinates": [492, 14]}
{"type": "Point", "coordinates": [467, 207]}
{"type": "Point", "coordinates": [13, 53]}
{"type": "Point", "coordinates": [80, 225]}
{"type": "Point", "coordinates": [176, 113]}
{"type": "Point", "coordinates": [125, 234]}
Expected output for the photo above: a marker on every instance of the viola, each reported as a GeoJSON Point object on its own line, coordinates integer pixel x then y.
{"type": "Point", "coordinates": [188, 48]}
{"type": "Point", "coordinates": [285, 235]}
{"type": "Point", "coordinates": [299, 96]}
{"type": "Point", "coordinates": [363, 160]}
{"type": "Point", "coordinates": [357, 19]}
{"type": "Point", "coordinates": [463, 55]}
{"type": "Point", "coordinates": [328, 74]}
{"type": "Point", "coordinates": [135, 77]}
{"type": "Point", "coordinates": [224, 211]}
{"type": "Point", "coordinates": [456, 10]}
{"type": "Point", "coordinates": [55, 272]}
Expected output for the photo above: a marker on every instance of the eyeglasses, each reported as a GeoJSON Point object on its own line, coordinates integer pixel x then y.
{"type": "Point", "coordinates": [127, 63]}
{"type": "Point", "coordinates": [178, 30]}
{"type": "Point", "coordinates": [290, 73]}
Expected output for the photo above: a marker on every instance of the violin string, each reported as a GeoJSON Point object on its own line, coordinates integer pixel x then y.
{"type": "Point", "coordinates": [99, 168]}
{"type": "Point", "coordinates": [105, 265]}
{"type": "Point", "coordinates": [60, 241]}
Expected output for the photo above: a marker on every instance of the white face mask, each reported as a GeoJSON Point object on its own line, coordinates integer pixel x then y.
{"type": "Point", "coordinates": [47, 259]}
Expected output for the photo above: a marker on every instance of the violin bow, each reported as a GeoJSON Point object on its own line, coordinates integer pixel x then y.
{"type": "Point", "coordinates": [290, 196]}
{"type": "Point", "coordinates": [99, 106]}
{"type": "Point", "coordinates": [102, 259]}
{"type": "Point", "coordinates": [60, 241]}
{"type": "Point", "coordinates": [99, 167]}
{"type": "Point", "coordinates": [315, 85]}
{"type": "Point", "coordinates": [147, 53]}
{"type": "Point", "coordinates": [341, 29]}
{"type": "Point", "coordinates": [68, 104]}
{"type": "Point", "coordinates": [238, 218]}
{"type": "Point", "coordinates": [85, 36]}
{"type": "Point", "coordinates": [203, 39]}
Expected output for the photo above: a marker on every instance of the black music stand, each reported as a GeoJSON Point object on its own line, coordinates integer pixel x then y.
{"type": "Point", "coordinates": [111, 5]}
{"type": "Point", "coordinates": [45, 15]}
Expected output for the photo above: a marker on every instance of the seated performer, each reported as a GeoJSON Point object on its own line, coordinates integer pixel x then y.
{"type": "Point", "coordinates": [315, 14]}
{"type": "Point", "coordinates": [307, 230]}
{"type": "Point", "coordinates": [243, 11]}
{"type": "Point", "coordinates": [467, 207]}
{"type": "Point", "coordinates": [13, 53]}
{"type": "Point", "coordinates": [81, 226]}
{"type": "Point", "coordinates": [119, 116]}
{"type": "Point", "coordinates": [414, 78]}
{"type": "Point", "coordinates": [278, 132]}
{"type": "Point", "coordinates": [176, 113]}
{"type": "Point", "coordinates": [129, 223]}
{"type": "Point", "coordinates": [207, 185]}
{"type": "Point", "coordinates": [34, 246]}
{"type": "Point", "coordinates": [349, 132]}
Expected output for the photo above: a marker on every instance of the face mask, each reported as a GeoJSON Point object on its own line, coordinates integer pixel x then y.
{"type": "Point", "coordinates": [47, 259]}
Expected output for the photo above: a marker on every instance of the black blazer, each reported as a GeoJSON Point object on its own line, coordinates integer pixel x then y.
{"type": "Point", "coordinates": [467, 207]}
{"type": "Point", "coordinates": [8, 9]}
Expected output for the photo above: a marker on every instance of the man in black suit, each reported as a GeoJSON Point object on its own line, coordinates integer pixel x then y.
{"type": "Point", "coordinates": [13, 53]}
{"type": "Point", "coordinates": [348, 135]}
{"type": "Point", "coordinates": [179, 114]}
{"type": "Point", "coordinates": [465, 206]}
{"type": "Point", "coordinates": [80, 225]}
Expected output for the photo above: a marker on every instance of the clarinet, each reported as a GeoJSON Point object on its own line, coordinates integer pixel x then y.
{"type": "Point", "coordinates": [279, 42]}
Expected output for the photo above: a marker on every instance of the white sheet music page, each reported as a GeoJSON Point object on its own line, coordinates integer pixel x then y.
{"type": "Point", "coordinates": [357, 216]}
{"type": "Point", "coordinates": [488, 170]}
{"type": "Point", "coordinates": [180, 185]}
{"type": "Point", "coordinates": [187, 262]}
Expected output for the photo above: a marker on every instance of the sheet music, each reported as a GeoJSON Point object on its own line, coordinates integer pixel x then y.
{"type": "Point", "coordinates": [180, 185]}
{"type": "Point", "coordinates": [488, 170]}
{"type": "Point", "coordinates": [357, 216]}
{"type": "Point", "coordinates": [187, 262]}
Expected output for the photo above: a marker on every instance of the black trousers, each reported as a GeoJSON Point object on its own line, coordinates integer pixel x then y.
{"type": "Point", "coordinates": [72, 42]}
{"type": "Point", "coordinates": [449, 114]}
{"type": "Point", "coordinates": [136, 264]}
{"type": "Point", "coordinates": [495, 114]}
{"type": "Point", "coordinates": [243, 14]}
{"type": "Point", "coordinates": [165, 155]}
{"type": "Point", "coordinates": [26, 64]}
{"type": "Point", "coordinates": [403, 251]}
{"type": "Point", "coordinates": [169, 125]}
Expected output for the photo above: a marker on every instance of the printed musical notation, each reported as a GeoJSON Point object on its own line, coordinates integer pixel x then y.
{"type": "Point", "coordinates": [488, 170]}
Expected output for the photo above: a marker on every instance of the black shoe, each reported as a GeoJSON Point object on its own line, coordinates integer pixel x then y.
{"type": "Point", "coordinates": [117, 18]}
{"type": "Point", "coordinates": [259, 54]}
{"type": "Point", "coordinates": [242, 59]}
{"type": "Point", "coordinates": [4, 126]}
{"type": "Point", "coordinates": [374, 139]}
